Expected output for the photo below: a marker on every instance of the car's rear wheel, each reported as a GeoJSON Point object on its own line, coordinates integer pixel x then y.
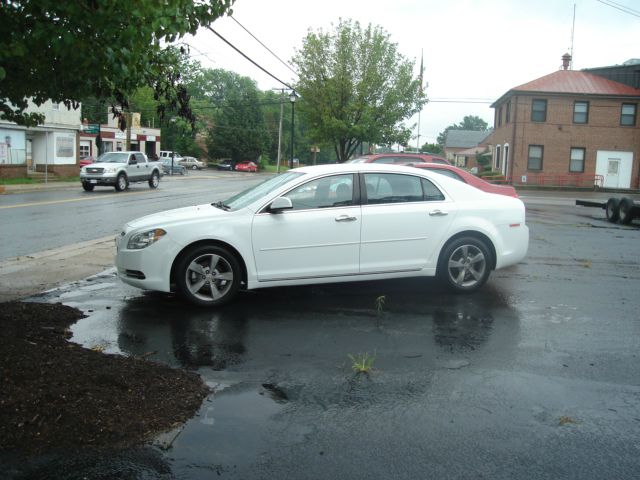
{"type": "Point", "coordinates": [154, 181]}
{"type": "Point", "coordinates": [88, 187]}
{"type": "Point", "coordinates": [208, 275]}
{"type": "Point", "coordinates": [465, 264]}
{"type": "Point", "coordinates": [121, 182]}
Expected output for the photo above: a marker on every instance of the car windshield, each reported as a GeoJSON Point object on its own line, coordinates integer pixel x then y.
{"type": "Point", "coordinates": [114, 157]}
{"type": "Point", "coordinates": [256, 192]}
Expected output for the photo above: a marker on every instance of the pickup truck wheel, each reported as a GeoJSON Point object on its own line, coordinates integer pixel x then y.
{"type": "Point", "coordinates": [154, 181]}
{"type": "Point", "coordinates": [613, 209]}
{"type": "Point", "coordinates": [624, 210]}
{"type": "Point", "coordinates": [208, 276]}
{"type": "Point", "coordinates": [121, 182]}
{"type": "Point", "coordinates": [88, 187]}
{"type": "Point", "coordinates": [465, 264]}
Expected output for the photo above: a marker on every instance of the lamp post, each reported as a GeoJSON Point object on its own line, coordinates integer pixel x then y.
{"type": "Point", "coordinates": [292, 98]}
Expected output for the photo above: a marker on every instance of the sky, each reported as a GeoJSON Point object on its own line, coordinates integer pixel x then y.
{"type": "Point", "coordinates": [473, 51]}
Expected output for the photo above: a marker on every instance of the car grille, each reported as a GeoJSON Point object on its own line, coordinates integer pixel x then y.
{"type": "Point", "coordinates": [94, 170]}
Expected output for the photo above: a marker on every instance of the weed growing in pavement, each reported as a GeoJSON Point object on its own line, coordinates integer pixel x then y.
{"type": "Point", "coordinates": [362, 362]}
{"type": "Point", "coordinates": [380, 304]}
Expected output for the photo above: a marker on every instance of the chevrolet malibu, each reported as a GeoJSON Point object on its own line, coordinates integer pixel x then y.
{"type": "Point", "coordinates": [326, 224]}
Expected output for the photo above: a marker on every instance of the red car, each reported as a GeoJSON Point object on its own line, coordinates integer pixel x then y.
{"type": "Point", "coordinates": [466, 177]}
{"type": "Point", "coordinates": [246, 166]}
{"type": "Point", "coordinates": [86, 161]}
{"type": "Point", "coordinates": [402, 158]}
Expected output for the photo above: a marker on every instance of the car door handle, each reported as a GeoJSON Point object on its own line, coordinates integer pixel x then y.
{"type": "Point", "coordinates": [438, 213]}
{"type": "Point", "coordinates": [345, 218]}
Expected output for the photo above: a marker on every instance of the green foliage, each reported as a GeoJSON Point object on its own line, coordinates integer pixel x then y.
{"type": "Point", "coordinates": [67, 51]}
{"type": "Point", "coordinates": [432, 148]}
{"type": "Point", "coordinates": [237, 128]}
{"type": "Point", "coordinates": [362, 362]}
{"type": "Point", "coordinates": [469, 122]}
{"type": "Point", "coordinates": [355, 86]}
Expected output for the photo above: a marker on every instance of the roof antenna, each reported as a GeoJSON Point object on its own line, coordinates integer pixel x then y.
{"type": "Point", "coordinates": [573, 26]}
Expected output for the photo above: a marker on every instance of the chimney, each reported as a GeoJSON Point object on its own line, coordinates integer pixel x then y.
{"type": "Point", "coordinates": [566, 61]}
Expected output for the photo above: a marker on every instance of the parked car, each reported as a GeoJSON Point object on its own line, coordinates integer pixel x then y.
{"type": "Point", "coordinates": [86, 161]}
{"type": "Point", "coordinates": [246, 166]}
{"type": "Point", "coordinates": [466, 177]}
{"type": "Point", "coordinates": [176, 170]}
{"type": "Point", "coordinates": [226, 165]}
{"type": "Point", "coordinates": [167, 154]}
{"type": "Point", "coordinates": [192, 163]}
{"type": "Point", "coordinates": [401, 158]}
{"type": "Point", "coordinates": [326, 224]}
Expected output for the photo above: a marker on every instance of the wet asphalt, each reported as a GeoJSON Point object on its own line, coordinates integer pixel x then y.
{"type": "Point", "coordinates": [537, 376]}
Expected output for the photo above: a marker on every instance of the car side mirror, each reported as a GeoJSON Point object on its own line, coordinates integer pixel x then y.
{"type": "Point", "coordinates": [280, 204]}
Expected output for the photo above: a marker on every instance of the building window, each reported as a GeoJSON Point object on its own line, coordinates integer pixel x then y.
{"type": "Point", "coordinates": [496, 162]}
{"type": "Point", "coordinates": [628, 114]}
{"type": "Point", "coordinates": [85, 149]}
{"type": "Point", "coordinates": [500, 116]}
{"type": "Point", "coordinates": [581, 112]}
{"type": "Point", "coordinates": [539, 111]}
{"type": "Point", "coordinates": [508, 112]}
{"type": "Point", "coordinates": [535, 157]}
{"type": "Point", "coordinates": [576, 164]}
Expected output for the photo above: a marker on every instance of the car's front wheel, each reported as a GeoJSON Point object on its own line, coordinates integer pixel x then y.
{"type": "Point", "coordinates": [121, 182]}
{"type": "Point", "coordinates": [208, 275]}
{"type": "Point", "coordinates": [88, 187]}
{"type": "Point", "coordinates": [465, 264]}
{"type": "Point", "coordinates": [194, 168]}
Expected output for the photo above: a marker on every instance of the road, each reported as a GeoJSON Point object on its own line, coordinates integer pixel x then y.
{"type": "Point", "coordinates": [533, 377]}
{"type": "Point", "coordinates": [42, 220]}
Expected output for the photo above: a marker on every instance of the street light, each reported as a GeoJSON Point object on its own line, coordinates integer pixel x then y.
{"type": "Point", "coordinates": [292, 98]}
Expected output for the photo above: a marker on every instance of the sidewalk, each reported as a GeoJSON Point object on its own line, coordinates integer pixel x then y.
{"type": "Point", "coordinates": [36, 187]}
{"type": "Point", "coordinates": [34, 273]}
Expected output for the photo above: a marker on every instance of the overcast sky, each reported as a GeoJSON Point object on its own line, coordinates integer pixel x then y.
{"type": "Point", "coordinates": [474, 51]}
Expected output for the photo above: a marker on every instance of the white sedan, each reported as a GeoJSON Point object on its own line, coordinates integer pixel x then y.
{"type": "Point", "coordinates": [325, 224]}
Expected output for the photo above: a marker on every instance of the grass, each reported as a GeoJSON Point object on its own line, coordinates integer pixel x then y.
{"type": "Point", "coordinates": [29, 180]}
{"type": "Point", "coordinates": [362, 362]}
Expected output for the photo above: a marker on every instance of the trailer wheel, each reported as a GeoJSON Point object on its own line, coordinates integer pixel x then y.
{"type": "Point", "coordinates": [624, 210]}
{"type": "Point", "coordinates": [613, 209]}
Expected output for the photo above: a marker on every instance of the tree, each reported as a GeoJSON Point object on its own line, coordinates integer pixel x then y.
{"type": "Point", "coordinates": [238, 131]}
{"type": "Point", "coordinates": [469, 122]}
{"type": "Point", "coordinates": [66, 51]}
{"type": "Point", "coordinates": [355, 86]}
{"type": "Point", "coordinates": [432, 148]}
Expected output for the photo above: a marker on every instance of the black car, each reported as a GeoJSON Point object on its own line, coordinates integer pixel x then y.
{"type": "Point", "coordinates": [226, 165]}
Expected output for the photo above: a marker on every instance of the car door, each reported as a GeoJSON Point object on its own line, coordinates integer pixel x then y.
{"type": "Point", "coordinates": [143, 166]}
{"type": "Point", "coordinates": [318, 237]}
{"type": "Point", "coordinates": [133, 169]}
{"type": "Point", "coordinates": [404, 218]}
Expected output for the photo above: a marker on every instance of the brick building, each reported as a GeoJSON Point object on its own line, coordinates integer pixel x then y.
{"type": "Point", "coordinates": [567, 127]}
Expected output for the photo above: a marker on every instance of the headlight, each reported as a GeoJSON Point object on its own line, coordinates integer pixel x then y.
{"type": "Point", "coordinates": [144, 239]}
{"type": "Point", "coordinates": [110, 170]}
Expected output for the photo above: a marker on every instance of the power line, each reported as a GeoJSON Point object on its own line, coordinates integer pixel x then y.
{"type": "Point", "coordinates": [249, 59]}
{"type": "Point", "coordinates": [267, 48]}
{"type": "Point", "coordinates": [622, 8]}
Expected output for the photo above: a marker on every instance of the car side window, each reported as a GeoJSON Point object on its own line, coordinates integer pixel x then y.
{"type": "Point", "coordinates": [431, 192]}
{"type": "Point", "coordinates": [326, 192]}
{"type": "Point", "coordinates": [385, 160]}
{"type": "Point", "coordinates": [392, 188]}
{"type": "Point", "coordinates": [139, 157]}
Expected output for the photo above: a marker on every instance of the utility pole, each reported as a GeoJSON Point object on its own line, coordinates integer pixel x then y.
{"type": "Point", "coordinates": [280, 131]}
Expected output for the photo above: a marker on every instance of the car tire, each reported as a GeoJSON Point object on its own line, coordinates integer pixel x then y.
{"type": "Point", "coordinates": [194, 168]}
{"type": "Point", "coordinates": [465, 264]}
{"type": "Point", "coordinates": [121, 183]}
{"type": "Point", "coordinates": [154, 181]}
{"type": "Point", "coordinates": [88, 187]}
{"type": "Point", "coordinates": [613, 210]}
{"type": "Point", "coordinates": [625, 208]}
{"type": "Point", "coordinates": [208, 276]}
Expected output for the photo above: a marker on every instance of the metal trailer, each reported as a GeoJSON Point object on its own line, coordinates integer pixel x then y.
{"type": "Point", "coordinates": [623, 209]}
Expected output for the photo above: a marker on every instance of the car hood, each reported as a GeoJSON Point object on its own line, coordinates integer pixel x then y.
{"type": "Point", "coordinates": [177, 215]}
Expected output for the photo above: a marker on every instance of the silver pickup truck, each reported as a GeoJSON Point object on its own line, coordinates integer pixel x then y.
{"type": "Point", "coordinates": [119, 169]}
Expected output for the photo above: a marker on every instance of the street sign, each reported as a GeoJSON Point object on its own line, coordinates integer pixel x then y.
{"type": "Point", "coordinates": [91, 128]}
